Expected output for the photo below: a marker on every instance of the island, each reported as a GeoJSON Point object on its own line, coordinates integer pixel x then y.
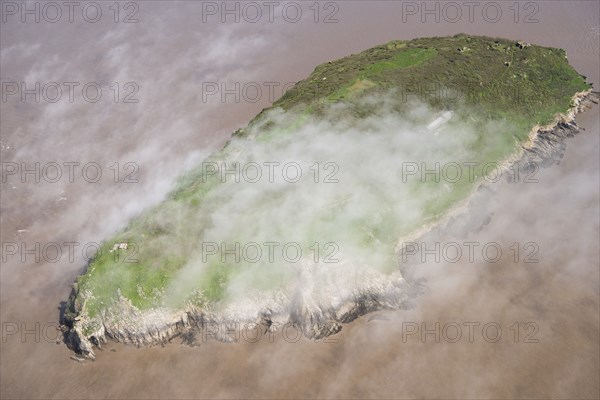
{"type": "Point", "coordinates": [300, 217]}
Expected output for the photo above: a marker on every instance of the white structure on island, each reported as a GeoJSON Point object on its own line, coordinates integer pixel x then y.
{"type": "Point", "coordinates": [439, 121]}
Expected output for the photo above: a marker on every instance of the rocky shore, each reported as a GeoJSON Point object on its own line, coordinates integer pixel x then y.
{"type": "Point", "coordinates": [546, 145]}
{"type": "Point", "coordinates": [317, 303]}
{"type": "Point", "coordinates": [317, 314]}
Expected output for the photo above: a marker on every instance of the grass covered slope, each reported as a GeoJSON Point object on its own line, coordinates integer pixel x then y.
{"type": "Point", "coordinates": [500, 78]}
{"type": "Point", "coordinates": [497, 89]}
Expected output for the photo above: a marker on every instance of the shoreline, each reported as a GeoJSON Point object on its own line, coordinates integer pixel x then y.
{"type": "Point", "coordinates": [581, 102]}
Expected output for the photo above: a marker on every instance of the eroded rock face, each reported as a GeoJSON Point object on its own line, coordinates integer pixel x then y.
{"type": "Point", "coordinates": [317, 311]}
{"type": "Point", "coordinates": [548, 145]}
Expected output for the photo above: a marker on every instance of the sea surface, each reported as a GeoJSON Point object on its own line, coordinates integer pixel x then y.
{"type": "Point", "coordinates": [168, 54]}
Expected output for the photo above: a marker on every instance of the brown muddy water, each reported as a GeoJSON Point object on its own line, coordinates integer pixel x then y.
{"type": "Point", "coordinates": [169, 53]}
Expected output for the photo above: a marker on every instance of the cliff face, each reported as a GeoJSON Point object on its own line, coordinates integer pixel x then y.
{"type": "Point", "coordinates": [317, 313]}
{"type": "Point", "coordinates": [315, 300]}
{"type": "Point", "coordinates": [548, 144]}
